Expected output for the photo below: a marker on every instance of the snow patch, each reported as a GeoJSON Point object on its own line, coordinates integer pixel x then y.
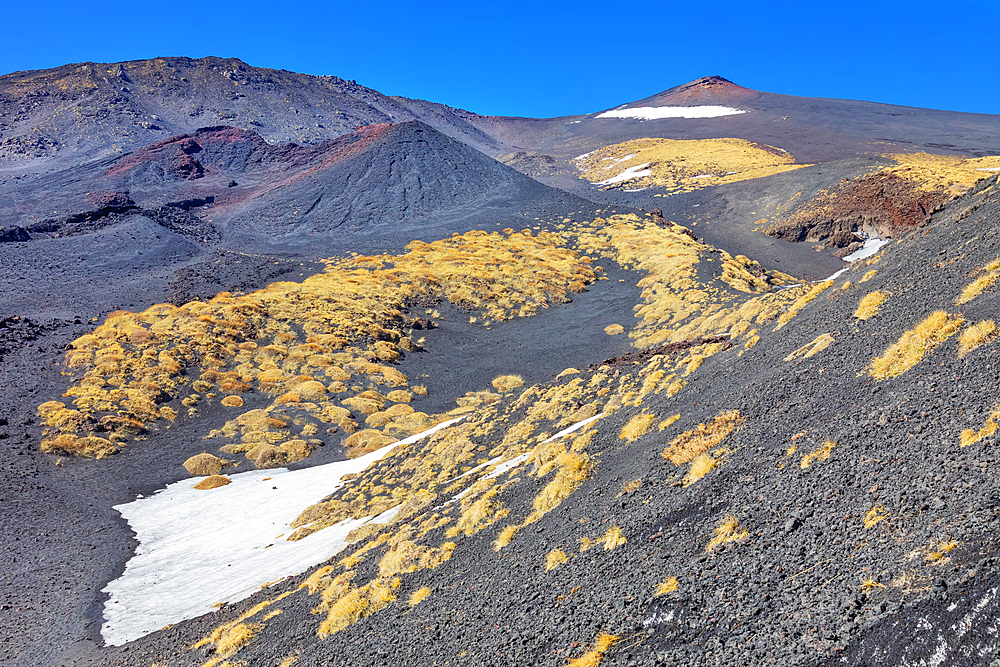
{"type": "Point", "coordinates": [638, 171]}
{"type": "Point", "coordinates": [989, 169]}
{"type": "Point", "coordinates": [199, 548]}
{"type": "Point", "coordinates": [655, 113]}
{"type": "Point", "coordinates": [872, 245]}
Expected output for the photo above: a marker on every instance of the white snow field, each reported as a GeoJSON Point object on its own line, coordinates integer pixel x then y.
{"type": "Point", "coordinates": [872, 245]}
{"type": "Point", "coordinates": [655, 113]}
{"type": "Point", "coordinates": [199, 548]}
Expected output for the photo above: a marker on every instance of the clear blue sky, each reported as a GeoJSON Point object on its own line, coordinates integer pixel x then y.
{"type": "Point", "coordinates": [550, 59]}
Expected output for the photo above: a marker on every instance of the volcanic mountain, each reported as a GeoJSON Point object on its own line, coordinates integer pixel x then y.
{"type": "Point", "coordinates": [294, 372]}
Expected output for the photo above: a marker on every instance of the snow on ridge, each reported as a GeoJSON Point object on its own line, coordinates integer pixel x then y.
{"type": "Point", "coordinates": [872, 245]}
{"type": "Point", "coordinates": [199, 548]}
{"type": "Point", "coordinates": [655, 113]}
{"type": "Point", "coordinates": [638, 171]}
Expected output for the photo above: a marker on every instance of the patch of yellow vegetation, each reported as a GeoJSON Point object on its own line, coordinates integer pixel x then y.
{"type": "Point", "coordinates": [915, 344]}
{"type": "Point", "coordinates": [678, 305]}
{"type": "Point", "coordinates": [978, 286]}
{"type": "Point", "coordinates": [813, 348]}
{"type": "Point", "coordinates": [419, 595]}
{"type": "Point", "coordinates": [700, 466]}
{"type": "Point", "coordinates": [801, 302]}
{"type": "Point", "coordinates": [231, 636]}
{"type": "Point", "coordinates": [869, 305]}
{"type": "Point", "coordinates": [976, 336]}
{"type": "Point", "coordinates": [212, 482]}
{"type": "Point", "coordinates": [666, 423]}
{"type": "Point", "coordinates": [636, 427]}
{"type": "Point", "coordinates": [951, 174]}
{"type": "Point", "coordinates": [613, 538]}
{"type": "Point", "coordinates": [868, 275]}
{"type": "Point", "coordinates": [821, 454]}
{"type": "Point", "coordinates": [689, 444]}
{"type": "Point", "coordinates": [685, 165]}
{"type": "Point", "coordinates": [874, 516]}
{"type": "Point", "coordinates": [593, 657]}
{"type": "Point", "coordinates": [668, 585]}
{"type": "Point", "coordinates": [508, 382]}
{"type": "Point", "coordinates": [728, 530]}
{"type": "Point", "coordinates": [301, 342]}
{"type": "Point", "coordinates": [970, 437]}
{"type": "Point", "coordinates": [614, 329]}
{"type": "Point", "coordinates": [358, 603]}
{"type": "Point", "coordinates": [554, 559]}
{"type": "Point", "coordinates": [505, 537]}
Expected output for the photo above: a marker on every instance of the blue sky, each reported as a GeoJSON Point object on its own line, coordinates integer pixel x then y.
{"type": "Point", "coordinates": [517, 58]}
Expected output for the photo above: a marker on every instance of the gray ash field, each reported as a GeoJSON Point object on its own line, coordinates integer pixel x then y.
{"type": "Point", "coordinates": [769, 467]}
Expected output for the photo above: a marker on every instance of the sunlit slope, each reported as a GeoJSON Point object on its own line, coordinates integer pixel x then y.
{"type": "Point", "coordinates": [682, 165]}
{"type": "Point", "coordinates": [889, 200]}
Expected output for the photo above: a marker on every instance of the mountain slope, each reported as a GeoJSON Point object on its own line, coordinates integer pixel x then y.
{"type": "Point", "coordinates": [79, 112]}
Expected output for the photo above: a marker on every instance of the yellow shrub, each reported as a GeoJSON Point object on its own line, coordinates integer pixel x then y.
{"type": "Point", "coordinates": [976, 336]}
{"type": "Point", "coordinates": [419, 595]}
{"type": "Point", "coordinates": [821, 454]}
{"type": "Point", "coordinates": [914, 344]}
{"type": "Point", "coordinates": [636, 427]}
{"type": "Point", "coordinates": [592, 658]}
{"type": "Point", "coordinates": [668, 585]}
{"type": "Point", "coordinates": [728, 530]}
{"type": "Point", "coordinates": [554, 559]}
{"type": "Point", "coordinates": [869, 305]}
{"type": "Point", "coordinates": [700, 466]}
{"type": "Point", "coordinates": [689, 444]}
{"type": "Point", "coordinates": [507, 382]}
{"type": "Point", "coordinates": [977, 287]}
{"type": "Point", "coordinates": [613, 538]}
{"type": "Point", "coordinates": [970, 437]}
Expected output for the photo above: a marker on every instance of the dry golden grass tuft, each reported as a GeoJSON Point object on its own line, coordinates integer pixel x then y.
{"type": "Point", "coordinates": [685, 447]}
{"type": "Point", "coordinates": [212, 482]}
{"type": "Point", "coordinates": [728, 530]}
{"type": "Point", "coordinates": [614, 329]}
{"type": "Point", "coordinates": [869, 305]}
{"type": "Point", "coordinates": [970, 437]}
{"type": "Point", "coordinates": [572, 468]}
{"type": "Point", "coordinates": [868, 275]}
{"type": "Point", "coordinates": [821, 454]}
{"type": "Point", "coordinates": [636, 427]}
{"type": "Point", "coordinates": [976, 336]}
{"type": "Point", "coordinates": [801, 303]}
{"type": "Point", "coordinates": [232, 401]}
{"type": "Point", "coordinates": [937, 550]}
{"type": "Point", "coordinates": [914, 344]}
{"type": "Point", "coordinates": [554, 559]}
{"type": "Point", "coordinates": [613, 538]}
{"type": "Point", "coordinates": [592, 658]}
{"type": "Point", "coordinates": [666, 423]}
{"type": "Point", "coordinates": [507, 382]}
{"type": "Point", "coordinates": [874, 515]}
{"type": "Point", "coordinates": [668, 585]}
{"type": "Point", "coordinates": [233, 635]}
{"type": "Point", "coordinates": [505, 537]}
{"type": "Point", "coordinates": [204, 464]}
{"type": "Point", "coordinates": [700, 466]}
{"type": "Point", "coordinates": [419, 595]}
{"type": "Point", "coordinates": [980, 284]}
{"type": "Point", "coordinates": [812, 348]}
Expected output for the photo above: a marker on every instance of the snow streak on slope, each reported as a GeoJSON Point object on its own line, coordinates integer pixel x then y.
{"type": "Point", "coordinates": [200, 548]}
{"type": "Point", "coordinates": [654, 113]}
